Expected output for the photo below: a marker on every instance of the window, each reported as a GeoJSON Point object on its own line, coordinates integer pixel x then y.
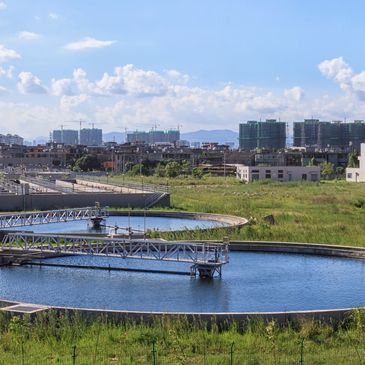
{"type": "Point", "coordinates": [349, 175]}
{"type": "Point", "coordinates": [268, 174]}
{"type": "Point", "coordinates": [304, 177]}
{"type": "Point", "coordinates": [280, 174]}
{"type": "Point", "coordinates": [255, 177]}
{"type": "Point", "coordinates": [314, 177]}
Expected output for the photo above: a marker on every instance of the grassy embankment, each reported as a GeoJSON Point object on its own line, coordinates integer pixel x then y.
{"type": "Point", "coordinates": [330, 212]}
{"type": "Point", "coordinates": [50, 340]}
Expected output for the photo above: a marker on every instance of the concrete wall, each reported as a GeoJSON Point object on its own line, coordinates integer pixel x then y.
{"type": "Point", "coordinates": [59, 201]}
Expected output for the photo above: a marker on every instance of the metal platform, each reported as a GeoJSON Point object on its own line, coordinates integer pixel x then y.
{"type": "Point", "coordinates": [51, 216]}
{"type": "Point", "coordinates": [206, 258]}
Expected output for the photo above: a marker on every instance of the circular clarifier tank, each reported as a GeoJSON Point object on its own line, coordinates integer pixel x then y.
{"type": "Point", "coordinates": [251, 282]}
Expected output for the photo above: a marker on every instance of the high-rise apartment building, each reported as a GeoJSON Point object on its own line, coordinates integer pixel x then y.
{"type": "Point", "coordinates": [321, 134]}
{"type": "Point", "coordinates": [91, 136]}
{"type": "Point", "coordinates": [154, 136]}
{"type": "Point", "coordinates": [270, 134]}
{"type": "Point", "coordinates": [68, 137]}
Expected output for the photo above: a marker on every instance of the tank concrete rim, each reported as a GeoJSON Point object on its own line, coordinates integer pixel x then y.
{"type": "Point", "coordinates": [231, 220]}
{"type": "Point", "coordinates": [262, 246]}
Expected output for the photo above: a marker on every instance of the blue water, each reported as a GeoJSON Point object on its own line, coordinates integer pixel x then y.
{"type": "Point", "coordinates": [250, 282]}
{"type": "Point", "coordinates": [136, 223]}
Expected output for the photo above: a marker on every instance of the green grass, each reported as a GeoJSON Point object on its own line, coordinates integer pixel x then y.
{"type": "Point", "coordinates": [330, 212]}
{"type": "Point", "coordinates": [50, 340]}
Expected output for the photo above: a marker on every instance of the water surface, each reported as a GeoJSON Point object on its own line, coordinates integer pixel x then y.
{"type": "Point", "coordinates": [250, 282]}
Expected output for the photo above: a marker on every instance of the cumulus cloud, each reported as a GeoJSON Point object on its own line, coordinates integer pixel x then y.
{"type": "Point", "coordinates": [28, 36]}
{"type": "Point", "coordinates": [3, 6]}
{"type": "Point", "coordinates": [88, 42]}
{"type": "Point", "coordinates": [62, 87]}
{"type": "Point", "coordinates": [339, 70]}
{"type": "Point", "coordinates": [30, 84]}
{"type": "Point", "coordinates": [7, 54]}
{"type": "Point", "coordinates": [296, 93]}
{"type": "Point", "coordinates": [139, 97]}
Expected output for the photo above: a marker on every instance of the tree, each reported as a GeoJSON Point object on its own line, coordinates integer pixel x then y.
{"type": "Point", "coordinates": [352, 160]}
{"type": "Point", "coordinates": [172, 169]}
{"type": "Point", "coordinates": [197, 172]}
{"type": "Point", "coordinates": [313, 162]}
{"type": "Point", "coordinates": [160, 170]}
{"type": "Point", "coordinates": [87, 162]}
{"type": "Point", "coordinates": [186, 167]}
{"type": "Point", "coordinates": [327, 170]}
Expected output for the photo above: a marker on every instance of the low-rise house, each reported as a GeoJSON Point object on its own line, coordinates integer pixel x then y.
{"type": "Point", "coordinates": [278, 173]}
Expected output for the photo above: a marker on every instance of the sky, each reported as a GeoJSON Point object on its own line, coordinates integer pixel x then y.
{"type": "Point", "coordinates": [207, 64]}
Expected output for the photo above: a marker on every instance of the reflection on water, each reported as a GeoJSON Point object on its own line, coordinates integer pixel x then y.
{"type": "Point", "coordinates": [250, 282]}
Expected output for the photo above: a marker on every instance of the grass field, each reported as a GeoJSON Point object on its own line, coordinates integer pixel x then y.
{"type": "Point", "coordinates": [327, 212]}
{"type": "Point", "coordinates": [52, 339]}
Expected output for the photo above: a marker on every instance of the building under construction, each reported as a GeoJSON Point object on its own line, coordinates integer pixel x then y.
{"type": "Point", "coordinates": [270, 134]}
{"type": "Point", "coordinates": [320, 134]}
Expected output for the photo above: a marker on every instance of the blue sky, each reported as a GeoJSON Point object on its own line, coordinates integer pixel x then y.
{"type": "Point", "coordinates": [201, 64]}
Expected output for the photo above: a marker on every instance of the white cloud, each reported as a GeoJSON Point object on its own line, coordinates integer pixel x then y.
{"type": "Point", "coordinates": [136, 98]}
{"type": "Point", "coordinates": [339, 71]}
{"type": "Point", "coordinates": [53, 16]}
{"type": "Point", "coordinates": [70, 102]}
{"type": "Point", "coordinates": [7, 72]}
{"type": "Point", "coordinates": [88, 42]}
{"type": "Point", "coordinates": [296, 93]}
{"type": "Point", "coordinates": [7, 54]}
{"type": "Point", "coordinates": [3, 6]}
{"type": "Point", "coordinates": [30, 84]}
{"type": "Point", "coordinates": [62, 87]}
{"type": "Point", "coordinates": [3, 90]}
{"type": "Point", "coordinates": [28, 36]}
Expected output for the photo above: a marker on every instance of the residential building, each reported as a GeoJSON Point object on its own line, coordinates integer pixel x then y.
{"type": "Point", "coordinates": [154, 136]}
{"type": "Point", "coordinates": [270, 134]}
{"type": "Point", "coordinates": [321, 134]}
{"type": "Point", "coordinates": [91, 137]}
{"type": "Point", "coordinates": [11, 139]}
{"type": "Point", "coordinates": [68, 137]}
{"type": "Point", "coordinates": [278, 173]}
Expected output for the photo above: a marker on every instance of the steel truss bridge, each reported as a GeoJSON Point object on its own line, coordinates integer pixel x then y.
{"type": "Point", "coordinates": [51, 216]}
{"type": "Point", "coordinates": [205, 258]}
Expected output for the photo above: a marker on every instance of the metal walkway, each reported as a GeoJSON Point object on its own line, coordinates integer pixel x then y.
{"type": "Point", "coordinates": [206, 258]}
{"type": "Point", "coordinates": [51, 216]}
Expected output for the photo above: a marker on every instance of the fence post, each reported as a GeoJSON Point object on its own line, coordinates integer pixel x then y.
{"type": "Point", "coordinates": [23, 354]}
{"type": "Point", "coordinates": [301, 361]}
{"type": "Point", "coordinates": [231, 353]}
{"type": "Point", "coordinates": [74, 355]}
{"type": "Point", "coordinates": [154, 362]}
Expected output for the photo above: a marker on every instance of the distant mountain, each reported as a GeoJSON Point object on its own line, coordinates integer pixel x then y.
{"type": "Point", "coordinates": [118, 137]}
{"type": "Point", "coordinates": [37, 140]}
{"type": "Point", "coordinates": [219, 135]}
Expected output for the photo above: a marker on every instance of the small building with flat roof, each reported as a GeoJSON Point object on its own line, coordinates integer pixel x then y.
{"type": "Point", "coordinates": [278, 173]}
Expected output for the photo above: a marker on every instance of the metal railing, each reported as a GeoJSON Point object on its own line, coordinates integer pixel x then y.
{"type": "Point", "coordinates": [126, 184]}
{"type": "Point", "coordinates": [214, 254]}
{"type": "Point", "coordinates": [50, 216]}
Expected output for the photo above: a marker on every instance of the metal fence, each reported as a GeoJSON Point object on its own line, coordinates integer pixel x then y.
{"type": "Point", "coordinates": [154, 354]}
{"type": "Point", "coordinates": [126, 184]}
